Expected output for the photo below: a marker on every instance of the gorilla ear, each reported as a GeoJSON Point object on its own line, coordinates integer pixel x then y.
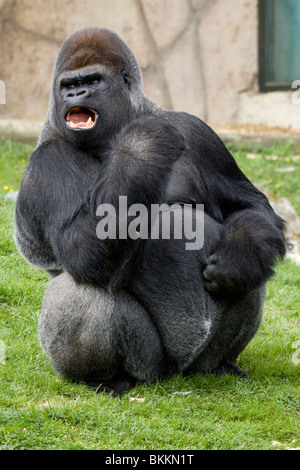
{"type": "Point", "coordinates": [126, 79]}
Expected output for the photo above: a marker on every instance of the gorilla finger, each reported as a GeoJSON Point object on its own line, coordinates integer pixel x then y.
{"type": "Point", "coordinates": [211, 286]}
{"type": "Point", "coordinates": [213, 259]}
{"type": "Point", "coordinates": [209, 272]}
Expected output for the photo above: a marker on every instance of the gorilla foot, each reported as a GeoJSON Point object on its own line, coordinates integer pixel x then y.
{"type": "Point", "coordinates": [227, 366]}
{"type": "Point", "coordinates": [115, 386]}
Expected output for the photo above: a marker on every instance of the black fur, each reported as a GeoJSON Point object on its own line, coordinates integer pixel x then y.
{"type": "Point", "coordinates": [140, 309]}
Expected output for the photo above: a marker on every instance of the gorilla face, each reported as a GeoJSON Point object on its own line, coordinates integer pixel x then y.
{"type": "Point", "coordinates": [95, 90]}
{"type": "Point", "coordinates": [88, 97]}
{"type": "Point", "coordinates": [77, 88]}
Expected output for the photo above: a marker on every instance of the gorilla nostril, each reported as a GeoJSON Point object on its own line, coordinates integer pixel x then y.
{"type": "Point", "coordinates": [80, 92]}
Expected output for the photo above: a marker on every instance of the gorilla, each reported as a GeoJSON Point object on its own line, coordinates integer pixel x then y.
{"type": "Point", "coordinates": [121, 310]}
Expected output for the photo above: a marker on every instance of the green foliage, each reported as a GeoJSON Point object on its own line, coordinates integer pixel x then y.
{"type": "Point", "coordinates": [41, 410]}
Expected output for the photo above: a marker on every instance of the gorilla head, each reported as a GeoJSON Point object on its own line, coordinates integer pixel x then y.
{"type": "Point", "coordinates": [97, 88]}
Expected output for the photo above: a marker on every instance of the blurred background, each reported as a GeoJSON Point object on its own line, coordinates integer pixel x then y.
{"type": "Point", "coordinates": [231, 63]}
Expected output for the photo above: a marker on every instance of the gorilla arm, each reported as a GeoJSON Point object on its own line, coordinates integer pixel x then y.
{"type": "Point", "coordinates": [55, 216]}
{"type": "Point", "coordinates": [46, 201]}
{"type": "Point", "coordinates": [28, 229]}
{"type": "Point", "coordinates": [253, 238]}
{"type": "Point", "coordinates": [243, 259]}
{"type": "Point", "coordinates": [138, 167]}
{"type": "Point", "coordinates": [254, 234]}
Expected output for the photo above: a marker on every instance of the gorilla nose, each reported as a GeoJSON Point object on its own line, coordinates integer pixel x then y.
{"type": "Point", "coordinates": [80, 92]}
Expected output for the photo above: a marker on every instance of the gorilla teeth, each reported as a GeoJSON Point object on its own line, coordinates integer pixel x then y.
{"type": "Point", "coordinates": [89, 123]}
{"type": "Point", "coordinates": [81, 117]}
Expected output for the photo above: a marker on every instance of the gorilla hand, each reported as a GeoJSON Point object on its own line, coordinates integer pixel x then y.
{"type": "Point", "coordinates": [223, 277]}
{"type": "Point", "coordinates": [242, 260]}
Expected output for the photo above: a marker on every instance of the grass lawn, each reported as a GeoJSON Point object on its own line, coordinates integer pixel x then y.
{"type": "Point", "coordinates": [41, 410]}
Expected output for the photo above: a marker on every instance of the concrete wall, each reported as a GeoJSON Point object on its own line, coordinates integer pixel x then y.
{"type": "Point", "coordinates": [198, 56]}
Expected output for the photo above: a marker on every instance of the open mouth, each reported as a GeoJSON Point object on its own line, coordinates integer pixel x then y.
{"type": "Point", "coordinates": [81, 117]}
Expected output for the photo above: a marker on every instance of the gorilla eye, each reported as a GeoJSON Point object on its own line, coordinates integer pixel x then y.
{"type": "Point", "coordinates": [67, 84]}
{"type": "Point", "coordinates": [94, 81]}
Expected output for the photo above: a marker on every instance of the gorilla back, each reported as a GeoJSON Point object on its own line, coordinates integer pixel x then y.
{"type": "Point", "coordinates": [123, 309]}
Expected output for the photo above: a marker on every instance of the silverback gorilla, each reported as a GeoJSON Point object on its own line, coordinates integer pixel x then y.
{"type": "Point", "coordinates": [123, 310]}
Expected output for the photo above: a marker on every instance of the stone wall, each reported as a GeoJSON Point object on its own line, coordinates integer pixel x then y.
{"type": "Point", "coordinates": [198, 56]}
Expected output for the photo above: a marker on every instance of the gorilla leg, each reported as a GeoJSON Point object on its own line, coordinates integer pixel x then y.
{"type": "Point", "coordinates": [98, 337]}
{"type": "Point", "coordinates": [238, 323]}
{"type": "Point", "coordinates": [168, 323]}
{"type": "Point", "coordinates": [199, 330]}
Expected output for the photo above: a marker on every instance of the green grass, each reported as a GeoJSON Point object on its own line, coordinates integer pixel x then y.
{"type": "Point", "coordinates": [41, 410]}
{"type": "Point", "coordinates": [263, 170]}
